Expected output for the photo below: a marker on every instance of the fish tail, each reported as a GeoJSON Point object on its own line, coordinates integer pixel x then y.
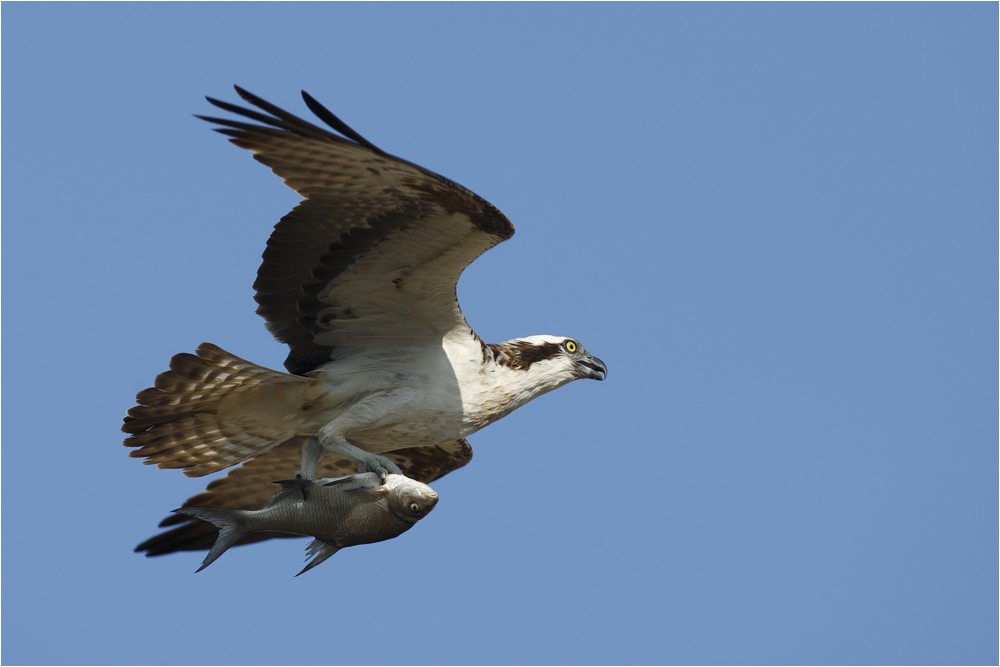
{"type": "Point", "coordinates": [227, 521]}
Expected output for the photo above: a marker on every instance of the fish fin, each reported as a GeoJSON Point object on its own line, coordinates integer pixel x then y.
{"type": "Point", "coordinates": [225, 520]}
{"type": "Point", "coordinates": [339, 480]}
{"type": "Point", "coordinates": [378, 491]}
{"type": "Point", "coordinates": [321, 550]}
{"type": "Point", "coordinates": [290, 486]}
{"type": "Point", "coordinates": [360, 480]}
{"type": "Point", "coordinates": [359, 483]}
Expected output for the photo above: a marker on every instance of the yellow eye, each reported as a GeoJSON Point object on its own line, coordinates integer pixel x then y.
{"type": "Point", "coordinates": [570, 346]}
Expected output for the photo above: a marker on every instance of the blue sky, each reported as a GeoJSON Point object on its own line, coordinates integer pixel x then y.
{"type": "Point", "coordinates": [777, 224]}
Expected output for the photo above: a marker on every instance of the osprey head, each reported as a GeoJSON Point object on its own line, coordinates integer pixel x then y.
{"type": "Point", "coordinates": [558, 359]}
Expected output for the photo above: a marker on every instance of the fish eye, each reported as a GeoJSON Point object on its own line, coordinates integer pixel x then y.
{"type": "Point", "coordinates": [570, 345]}
{"type": "Point", "coordinates": [414, 507]}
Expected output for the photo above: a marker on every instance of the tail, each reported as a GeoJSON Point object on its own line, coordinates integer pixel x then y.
{"type": "Point", "coordinates": [211, 411]}
{"type": "Point", "coordinates": [227, 523]}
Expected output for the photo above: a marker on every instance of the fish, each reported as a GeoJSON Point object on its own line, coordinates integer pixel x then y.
{"type": "Point", "coordinates": [337, 511]}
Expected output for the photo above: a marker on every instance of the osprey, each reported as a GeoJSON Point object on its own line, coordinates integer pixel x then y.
{"type": "Point", "coordinates": [359, 280]}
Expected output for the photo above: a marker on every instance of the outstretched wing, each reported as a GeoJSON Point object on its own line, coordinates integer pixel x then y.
{"type": "Point", "coordinates": [251, 486]}
{"type": "Point", "coordinates": [372, 255]}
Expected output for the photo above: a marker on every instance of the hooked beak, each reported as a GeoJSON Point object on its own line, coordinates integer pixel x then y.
{"type": "Point", "coordinates": [592, 367]}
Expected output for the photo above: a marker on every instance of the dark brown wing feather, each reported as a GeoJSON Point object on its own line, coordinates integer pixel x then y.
{"type": "Point", "coordinates": [251, 486]}
{"type": "Point", "coordinates": [373, 252]}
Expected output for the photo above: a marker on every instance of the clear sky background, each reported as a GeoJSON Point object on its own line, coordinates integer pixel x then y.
{"type": "Point", "coordinates": [777, 224]}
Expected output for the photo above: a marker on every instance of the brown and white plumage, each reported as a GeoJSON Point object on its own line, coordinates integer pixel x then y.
{"type": "Point", "coordinates": [212, 410]}
{"type": "Point", "coordinates": [359, 281]}
{"type": "Point", "coordinates": [375, 249]}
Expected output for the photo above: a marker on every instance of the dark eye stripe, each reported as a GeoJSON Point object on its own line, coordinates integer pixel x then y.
{"type": "Point", "coordinates": [520, 355]}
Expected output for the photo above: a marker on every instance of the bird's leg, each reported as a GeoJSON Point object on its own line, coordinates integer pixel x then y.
{"type": "Point", "coordinates": [367, 462]}
{"type": "Point", "coordinates": [369, 412]}
{"type": "Point", "coordinates": [311, 452]}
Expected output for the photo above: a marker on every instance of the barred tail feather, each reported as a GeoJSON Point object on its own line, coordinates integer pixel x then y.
{"type": "Point", "coordinates": [209, 412]}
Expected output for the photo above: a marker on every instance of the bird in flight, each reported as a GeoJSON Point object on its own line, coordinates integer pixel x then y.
{"type": "Point", "coordinates": [384, 374]}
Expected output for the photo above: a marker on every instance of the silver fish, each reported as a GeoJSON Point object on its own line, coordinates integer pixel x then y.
{"type": "Point", "coordinates": [338, 511]}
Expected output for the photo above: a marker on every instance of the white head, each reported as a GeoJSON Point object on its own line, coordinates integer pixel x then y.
{"type": "Point", "coordinates": [548, 362]}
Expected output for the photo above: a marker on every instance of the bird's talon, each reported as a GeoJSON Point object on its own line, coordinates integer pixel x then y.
{"type": "Point", "coordinates": [381, 466]}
